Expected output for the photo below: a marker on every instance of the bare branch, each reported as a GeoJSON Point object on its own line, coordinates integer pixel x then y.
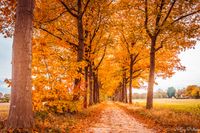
{"type": "Point", "coordinates": [104, 53]}
{"type": "Point", "coordinates": [63, 32]}
{"type": "Point", "coordinates": [85, 8]}
{"type": "Point", "coordinates": [56, 36]}
{"type": "Point", "coordinates": [51, 20]}
{"type": "Point", "coordinates": [68, 9]}
{"type": "Point", "coordinates": [138, 74]}
{"type": "Point", "coordinates": [184, 16]}
{"type": "Point", "coordinates": [168, 13]}
{"type": "Point", "coordinates": [158, 48]}
{"type": "Point", "coordinates": [159, 17]}
{"type": "Point", "coordinates": [135, 57]}
{"type": "Point", "coordinates": [95, 32]}
{"type": "Point", "coordinates": [127, 44]}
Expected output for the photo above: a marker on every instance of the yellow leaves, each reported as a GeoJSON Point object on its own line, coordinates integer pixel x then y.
{"type": "Point", "coordinates": [117, 25]}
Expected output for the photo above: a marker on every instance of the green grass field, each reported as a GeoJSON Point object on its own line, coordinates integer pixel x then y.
{"type": "Point", "coordinates": [177, 105]}
{"type": "Point", "coordinates": [167, 114]}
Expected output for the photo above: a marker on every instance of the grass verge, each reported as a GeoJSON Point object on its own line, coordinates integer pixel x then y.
{"type": "Point", "coordinates": [164, 119]}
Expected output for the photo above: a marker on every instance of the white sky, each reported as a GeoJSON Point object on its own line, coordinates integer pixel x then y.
{"type": "Point", "coordinates": [190, 59]}
{"type": "Point", "coordinates": [5, 57]}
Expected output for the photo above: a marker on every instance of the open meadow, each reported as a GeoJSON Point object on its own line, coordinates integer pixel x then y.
{"type": "Point", "coordinates": [167, 114]}
{"type": "Point", "coordinates": [3, 110]}
{"type": "Point", "coordinates": [177, 105]}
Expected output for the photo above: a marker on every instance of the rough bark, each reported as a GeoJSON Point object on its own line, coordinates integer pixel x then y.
{"type": "Point", "coordinates": [124, 87]}
{"type": "Point", "coordinates": [90, 85]}
{"type": "Point", "coordinates": [20, 113]}
{"type": "Point", "coordinates": [94, 88]}
{"type": "Point", "coordinates": [123, 91]}
{"type": "Point", "coordinates": [86, 87]}
{"type": "Point", "coordinates": [131, 78]}
{"type": "Point", "coordinates": [97, 86]}
{"type": "Point", "coordinates": [149, 102]}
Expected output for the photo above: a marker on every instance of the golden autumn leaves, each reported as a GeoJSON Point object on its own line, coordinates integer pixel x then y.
{"type": "Point", "coordinates": [90, 46]}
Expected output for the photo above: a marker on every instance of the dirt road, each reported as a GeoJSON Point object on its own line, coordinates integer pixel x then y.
{"type": "Point", "coordinates": [115, 120]}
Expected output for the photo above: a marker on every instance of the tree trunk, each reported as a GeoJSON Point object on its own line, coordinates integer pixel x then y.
{"type": "Point", "coordinates": [90, 84]}
{"type": "Point", "coordinates": [126, 99]}
{"type": "Point", "coordinates": [80, 52]}
{"type": "Point", "coordinates": [86, 87]}
{"type": "Point", "coordinates": [123, 93]}
{"type": "Point", "coordinates": [20, 113]}
{"type": "Point", "coordinates": [124, 87]}
{"type": "Point", "coordinates": [131, 78]}
{"type": "Point", "coordinates": [97, 87]}
{"type": "Point", "coordinates": [94, 88]}
{"type": "Point", "coordinates": [149, 103]}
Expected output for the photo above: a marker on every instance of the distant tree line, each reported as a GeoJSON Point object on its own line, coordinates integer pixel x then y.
{"type": "Point", "coordinates": [160, 93]}
{"type": "Point", "coordinates": [4, 98]}
{"type": "Point", "coordinates": [191, 91]}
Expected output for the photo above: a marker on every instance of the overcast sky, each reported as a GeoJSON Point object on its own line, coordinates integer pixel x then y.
{"type": "Point", "coordinates": [190, 59]}
{"type": "Point", "coordinates": [5, 57]}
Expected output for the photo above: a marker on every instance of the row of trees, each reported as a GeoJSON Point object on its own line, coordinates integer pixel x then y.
{"type": "Point", "coordinates": [4, 98]}
{"type": "Point", "coordinates": [191, 91]}
{"type": "Point", "coordinates": [74, 53]}
{"type": "Point", "coordinates": [167, 29]}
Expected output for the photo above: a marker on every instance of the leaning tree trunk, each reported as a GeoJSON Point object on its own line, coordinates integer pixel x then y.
{"type": "Point", "coordinates": [20, 113]}
{"type": "Point", "coordinates": [149, 103]}
{"type": "Point", "coordinates": [131, 79]}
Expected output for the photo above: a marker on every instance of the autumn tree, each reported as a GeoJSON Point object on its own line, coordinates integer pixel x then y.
{"type": "Point", "coordinates": [7, 17]}
{"type": "Point", "coordinates": [133, 45]}
{"type": "Point", "coordinates": [74, 11]}
{"type": "Point", "coordinates": [193, 91]}
{"type": "Point", "coordinates": [171, 91]}
{"type": "Point", "coordinates": [176, 19]}
{"type": "Point", "coordinates": [96, 41]}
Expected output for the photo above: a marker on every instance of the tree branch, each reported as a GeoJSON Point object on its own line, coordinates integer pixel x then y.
{"type": "Point", "coordinates": [68, 9]}
{"type": "Point", "coordinates": [72, 44]}
{"type": "Point", "coordinates": [104, 53]}
{"type": "Point", "coordinates": [51, 20]}
{"type": "Point", "coordinates": [146, 20]}
{"type": "Point", "coordinates": [135, 57]}
{"type": "Point", "coordinates": [159, 17]}
{"type": "Point", "coordinates": [127, 44]}
{"type": "Point", "coordinates": [184, 16]}
{"type": "Point", "coordinates": [158, 48]}
{"type": "Point", "coordinates": [137, 74]}
{"type": "Point", "coordinates": [85, 8]}
{"type": "Point", "coordinates": [168, 13]}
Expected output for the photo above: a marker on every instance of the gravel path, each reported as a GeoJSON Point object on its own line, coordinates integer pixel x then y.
{"type": "Point", "coordinates": [115, 120]}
